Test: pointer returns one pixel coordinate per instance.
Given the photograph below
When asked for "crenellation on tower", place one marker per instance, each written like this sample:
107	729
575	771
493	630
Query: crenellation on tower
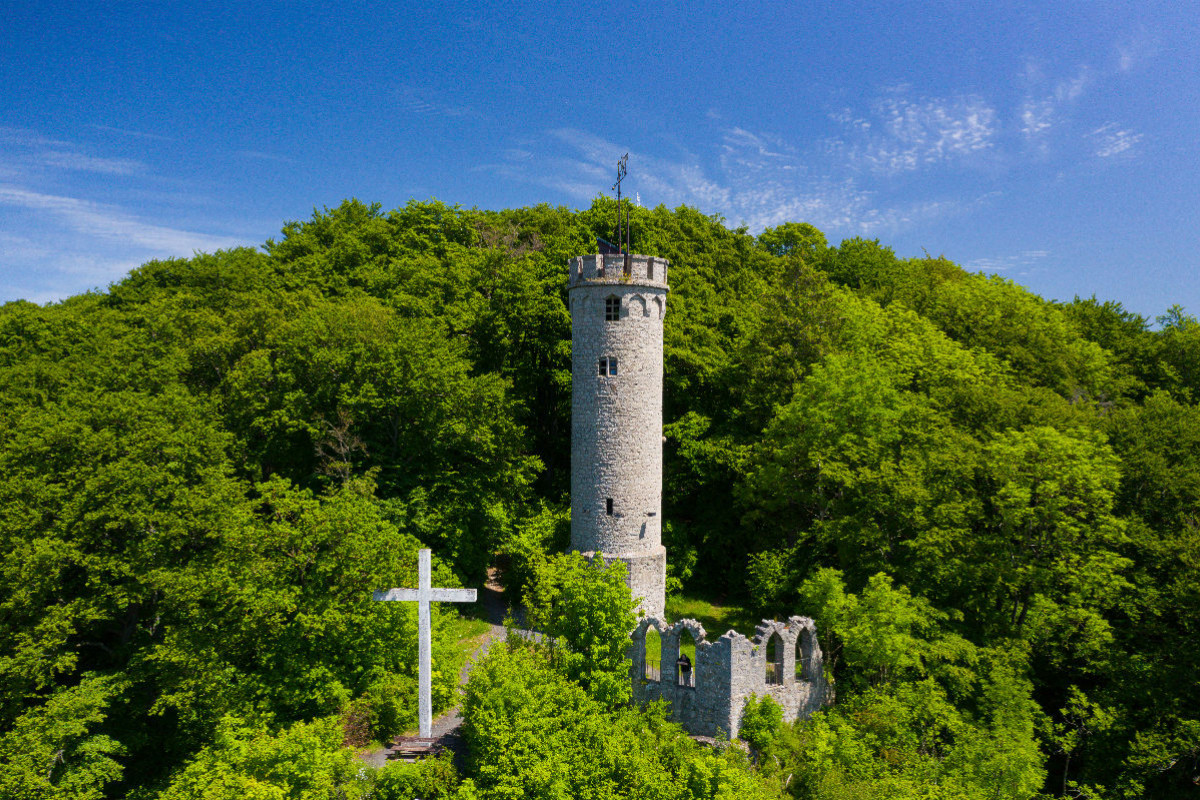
617	304
619	269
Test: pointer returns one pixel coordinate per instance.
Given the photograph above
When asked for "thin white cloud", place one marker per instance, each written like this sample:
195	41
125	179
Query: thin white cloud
259	155
1037	117
1125	59
113	224
757	180
1138	48
763	146
425	103
1045	107
14	247
1073	88
1111	141
136	134
24	152
24	138
78	162
903	135
56	241
1020	263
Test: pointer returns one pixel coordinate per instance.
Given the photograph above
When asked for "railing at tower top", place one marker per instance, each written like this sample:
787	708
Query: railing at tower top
653	670
685	678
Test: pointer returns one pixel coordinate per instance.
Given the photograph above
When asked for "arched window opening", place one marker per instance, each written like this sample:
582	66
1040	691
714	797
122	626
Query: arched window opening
612	309
774	659
653	654
685	665
804	656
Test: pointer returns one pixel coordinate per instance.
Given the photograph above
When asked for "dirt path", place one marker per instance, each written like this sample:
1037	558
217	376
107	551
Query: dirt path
493	603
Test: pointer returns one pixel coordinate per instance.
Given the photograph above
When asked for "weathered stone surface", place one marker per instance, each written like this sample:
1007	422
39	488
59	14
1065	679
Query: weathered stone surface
731	669
616	419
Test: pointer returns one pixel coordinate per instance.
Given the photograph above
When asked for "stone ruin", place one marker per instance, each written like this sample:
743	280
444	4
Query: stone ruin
782	661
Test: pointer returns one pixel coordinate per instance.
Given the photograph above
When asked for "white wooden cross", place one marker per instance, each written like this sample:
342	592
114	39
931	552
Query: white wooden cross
423	595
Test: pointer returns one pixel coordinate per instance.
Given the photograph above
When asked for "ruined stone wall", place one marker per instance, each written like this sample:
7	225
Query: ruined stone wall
726	672
616	419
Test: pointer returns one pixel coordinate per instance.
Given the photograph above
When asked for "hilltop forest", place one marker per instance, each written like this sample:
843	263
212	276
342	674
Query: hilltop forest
989	502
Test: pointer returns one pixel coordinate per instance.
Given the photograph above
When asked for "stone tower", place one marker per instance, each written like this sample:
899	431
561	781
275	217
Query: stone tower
617	307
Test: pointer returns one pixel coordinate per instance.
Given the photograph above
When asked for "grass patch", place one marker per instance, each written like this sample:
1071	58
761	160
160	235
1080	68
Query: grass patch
715	618
468	632
468	635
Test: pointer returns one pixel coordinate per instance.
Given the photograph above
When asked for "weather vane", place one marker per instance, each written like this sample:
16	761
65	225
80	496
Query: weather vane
621	170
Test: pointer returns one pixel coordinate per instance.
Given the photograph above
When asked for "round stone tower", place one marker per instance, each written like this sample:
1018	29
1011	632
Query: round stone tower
617	307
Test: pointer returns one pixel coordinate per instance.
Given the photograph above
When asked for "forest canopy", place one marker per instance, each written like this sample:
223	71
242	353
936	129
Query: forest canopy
989	501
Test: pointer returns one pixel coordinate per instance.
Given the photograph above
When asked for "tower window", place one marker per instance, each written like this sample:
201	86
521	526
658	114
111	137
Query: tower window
649	270
608	367
612	309
608	506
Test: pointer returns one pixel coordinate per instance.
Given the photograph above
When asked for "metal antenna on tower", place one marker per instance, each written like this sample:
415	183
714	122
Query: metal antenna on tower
617	188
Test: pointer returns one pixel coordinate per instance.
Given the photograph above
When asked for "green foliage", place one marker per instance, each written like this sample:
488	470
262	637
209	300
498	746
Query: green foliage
208	467
911	741
1050	537
884	633
247	760
427	778
925	710
545	531
586	612
761	720
797	239
534	734
51	750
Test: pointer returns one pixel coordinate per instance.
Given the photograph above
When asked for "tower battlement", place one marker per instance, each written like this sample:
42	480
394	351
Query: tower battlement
618	269
618	303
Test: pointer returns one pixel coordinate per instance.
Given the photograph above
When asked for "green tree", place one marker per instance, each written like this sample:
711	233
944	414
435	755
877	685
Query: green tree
587	612
532	733
52	750
247	760
1049	541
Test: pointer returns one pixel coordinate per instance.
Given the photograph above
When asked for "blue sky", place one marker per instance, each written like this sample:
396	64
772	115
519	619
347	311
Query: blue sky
1053	143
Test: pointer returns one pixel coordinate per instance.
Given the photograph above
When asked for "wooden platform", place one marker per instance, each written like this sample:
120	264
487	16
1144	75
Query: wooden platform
410	748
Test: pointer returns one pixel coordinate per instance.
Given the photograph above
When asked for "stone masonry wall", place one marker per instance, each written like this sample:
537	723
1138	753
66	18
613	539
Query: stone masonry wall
616	420
726	672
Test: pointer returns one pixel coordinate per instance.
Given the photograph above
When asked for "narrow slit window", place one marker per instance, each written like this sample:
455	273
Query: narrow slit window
607	367
603	367
649	270
608	506
612	367
612	309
